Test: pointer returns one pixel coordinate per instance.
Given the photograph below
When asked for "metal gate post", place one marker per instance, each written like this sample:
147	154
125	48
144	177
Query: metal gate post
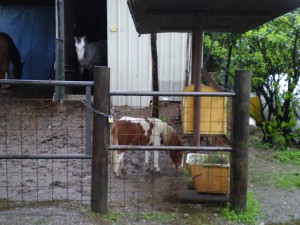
239	161
101	137
59	49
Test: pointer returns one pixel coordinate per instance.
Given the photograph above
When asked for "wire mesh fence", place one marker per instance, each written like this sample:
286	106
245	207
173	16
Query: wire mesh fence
33	125
140	190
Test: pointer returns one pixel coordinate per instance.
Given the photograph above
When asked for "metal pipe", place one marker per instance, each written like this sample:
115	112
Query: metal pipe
169	148
47	82
162	93
60	49
47	156
113	92
88	121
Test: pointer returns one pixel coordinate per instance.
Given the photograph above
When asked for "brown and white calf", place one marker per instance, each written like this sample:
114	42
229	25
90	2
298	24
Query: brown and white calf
139	131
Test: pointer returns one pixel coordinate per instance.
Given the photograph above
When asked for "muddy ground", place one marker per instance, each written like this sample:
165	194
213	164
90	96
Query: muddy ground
58	191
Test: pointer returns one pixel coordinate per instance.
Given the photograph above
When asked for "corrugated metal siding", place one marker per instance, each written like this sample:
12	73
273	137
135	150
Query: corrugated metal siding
129	56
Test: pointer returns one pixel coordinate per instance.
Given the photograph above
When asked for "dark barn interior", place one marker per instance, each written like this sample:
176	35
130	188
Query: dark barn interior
82	18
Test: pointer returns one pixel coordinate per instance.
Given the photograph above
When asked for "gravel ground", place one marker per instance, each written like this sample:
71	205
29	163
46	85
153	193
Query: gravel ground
279	206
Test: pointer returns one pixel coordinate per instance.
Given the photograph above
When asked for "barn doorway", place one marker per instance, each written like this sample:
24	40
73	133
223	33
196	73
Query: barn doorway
88	18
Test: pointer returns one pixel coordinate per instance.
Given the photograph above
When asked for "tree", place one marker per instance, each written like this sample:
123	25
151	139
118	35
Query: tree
272	53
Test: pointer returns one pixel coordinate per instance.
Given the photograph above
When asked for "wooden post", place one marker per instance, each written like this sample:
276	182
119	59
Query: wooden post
239	161
197	63
155	82
101	136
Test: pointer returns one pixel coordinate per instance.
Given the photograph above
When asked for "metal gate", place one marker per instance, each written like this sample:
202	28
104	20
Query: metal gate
45	145
29	172
104	191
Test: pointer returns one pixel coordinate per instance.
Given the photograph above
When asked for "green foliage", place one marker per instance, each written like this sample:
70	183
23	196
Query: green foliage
249	216
216	158
163	118
280	134
255	142
272	56
272	53
274	134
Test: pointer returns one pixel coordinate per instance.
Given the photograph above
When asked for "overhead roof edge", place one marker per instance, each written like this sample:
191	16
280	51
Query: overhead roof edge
157	16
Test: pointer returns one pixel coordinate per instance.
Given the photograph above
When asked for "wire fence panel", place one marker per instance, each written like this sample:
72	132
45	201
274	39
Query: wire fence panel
42	147
142	191
44	154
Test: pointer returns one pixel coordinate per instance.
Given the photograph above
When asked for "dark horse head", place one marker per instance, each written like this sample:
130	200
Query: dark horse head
9	53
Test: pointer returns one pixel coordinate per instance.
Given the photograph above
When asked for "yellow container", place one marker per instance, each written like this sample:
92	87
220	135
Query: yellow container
255	108
213	113
209	177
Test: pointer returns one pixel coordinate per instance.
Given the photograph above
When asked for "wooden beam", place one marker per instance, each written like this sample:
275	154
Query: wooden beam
190	28
101	137
193	197
212	81
209	13
239	159
197	64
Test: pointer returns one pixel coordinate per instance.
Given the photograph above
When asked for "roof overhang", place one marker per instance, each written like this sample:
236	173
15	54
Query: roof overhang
236	16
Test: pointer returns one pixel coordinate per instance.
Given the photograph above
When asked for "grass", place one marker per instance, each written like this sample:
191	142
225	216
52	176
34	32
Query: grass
41	221
284	173
167	218
289	181
283	179
113	216
249	216
291	156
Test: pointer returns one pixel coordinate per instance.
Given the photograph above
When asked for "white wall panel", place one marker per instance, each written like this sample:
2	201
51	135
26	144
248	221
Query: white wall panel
129	57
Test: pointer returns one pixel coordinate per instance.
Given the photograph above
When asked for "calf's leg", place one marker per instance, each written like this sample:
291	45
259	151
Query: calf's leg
156	156
117	159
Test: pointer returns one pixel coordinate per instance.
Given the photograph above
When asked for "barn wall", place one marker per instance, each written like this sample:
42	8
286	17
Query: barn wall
129	56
